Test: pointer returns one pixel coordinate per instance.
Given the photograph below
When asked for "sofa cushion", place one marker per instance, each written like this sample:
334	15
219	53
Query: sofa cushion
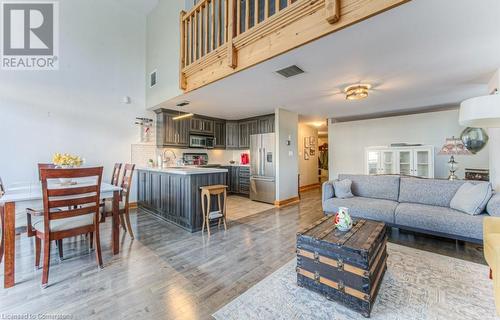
433	192
493	206
343	188
378	187
440	219
360	207
471	198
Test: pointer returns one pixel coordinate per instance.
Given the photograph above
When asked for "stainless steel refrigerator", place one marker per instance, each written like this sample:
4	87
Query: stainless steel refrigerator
262	167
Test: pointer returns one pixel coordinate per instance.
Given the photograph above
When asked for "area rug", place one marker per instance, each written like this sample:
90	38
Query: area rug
417	285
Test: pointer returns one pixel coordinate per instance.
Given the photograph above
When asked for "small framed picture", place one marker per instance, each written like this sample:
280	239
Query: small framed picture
312	141
307	142
306	154
312	152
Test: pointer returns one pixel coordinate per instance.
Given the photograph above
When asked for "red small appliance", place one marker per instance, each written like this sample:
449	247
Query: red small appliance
245	158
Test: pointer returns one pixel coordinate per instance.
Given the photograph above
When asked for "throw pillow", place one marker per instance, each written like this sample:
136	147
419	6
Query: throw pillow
343	188
471	198
493	206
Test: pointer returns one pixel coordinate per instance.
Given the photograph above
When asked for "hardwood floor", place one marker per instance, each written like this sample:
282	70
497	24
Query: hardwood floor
168	273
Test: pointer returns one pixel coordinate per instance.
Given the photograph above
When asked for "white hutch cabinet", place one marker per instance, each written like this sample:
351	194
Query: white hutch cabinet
411	161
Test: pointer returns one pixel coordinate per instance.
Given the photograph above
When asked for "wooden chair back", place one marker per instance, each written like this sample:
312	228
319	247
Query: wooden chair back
2	187
44	166
72	200
128	172
115	179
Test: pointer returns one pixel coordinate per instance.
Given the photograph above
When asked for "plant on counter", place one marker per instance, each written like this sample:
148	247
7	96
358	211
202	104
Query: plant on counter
66	160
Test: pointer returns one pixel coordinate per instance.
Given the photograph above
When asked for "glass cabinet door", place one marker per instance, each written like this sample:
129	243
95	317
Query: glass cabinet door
373	162
388	162
422	163
404	162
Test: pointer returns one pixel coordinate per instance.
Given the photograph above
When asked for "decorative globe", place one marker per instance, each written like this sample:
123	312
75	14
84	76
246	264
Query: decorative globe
474	139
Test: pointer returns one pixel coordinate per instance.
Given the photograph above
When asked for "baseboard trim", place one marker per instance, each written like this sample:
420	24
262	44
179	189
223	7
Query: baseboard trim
132	205
310	187
281	203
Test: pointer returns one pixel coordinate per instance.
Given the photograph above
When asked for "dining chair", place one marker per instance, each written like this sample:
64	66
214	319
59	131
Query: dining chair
115	179
2	221
124	205
78	212
34	215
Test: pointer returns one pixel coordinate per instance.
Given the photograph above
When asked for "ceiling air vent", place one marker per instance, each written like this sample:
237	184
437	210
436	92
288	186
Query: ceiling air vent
290	71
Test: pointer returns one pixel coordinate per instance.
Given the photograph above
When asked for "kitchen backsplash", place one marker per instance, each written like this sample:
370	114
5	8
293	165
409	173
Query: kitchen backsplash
141	153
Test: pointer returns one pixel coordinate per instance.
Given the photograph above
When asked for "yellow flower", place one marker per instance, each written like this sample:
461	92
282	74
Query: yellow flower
66	160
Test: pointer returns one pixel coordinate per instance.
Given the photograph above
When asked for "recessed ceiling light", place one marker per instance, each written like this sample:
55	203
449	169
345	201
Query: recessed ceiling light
357	91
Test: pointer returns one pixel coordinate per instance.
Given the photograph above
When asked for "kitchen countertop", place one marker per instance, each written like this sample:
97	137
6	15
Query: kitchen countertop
184	170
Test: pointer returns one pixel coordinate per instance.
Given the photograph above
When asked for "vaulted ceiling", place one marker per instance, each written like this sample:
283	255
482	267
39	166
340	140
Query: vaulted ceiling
423	53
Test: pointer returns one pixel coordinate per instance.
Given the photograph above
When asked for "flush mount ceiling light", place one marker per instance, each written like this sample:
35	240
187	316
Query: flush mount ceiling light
357	91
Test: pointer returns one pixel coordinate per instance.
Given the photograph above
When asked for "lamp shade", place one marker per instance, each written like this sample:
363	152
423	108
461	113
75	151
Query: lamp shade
481	112
454	146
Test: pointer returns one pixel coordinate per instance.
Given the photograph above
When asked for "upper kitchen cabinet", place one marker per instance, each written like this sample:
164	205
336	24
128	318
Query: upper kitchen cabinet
170	132
246	129
266	124
232	135
202	126
219	134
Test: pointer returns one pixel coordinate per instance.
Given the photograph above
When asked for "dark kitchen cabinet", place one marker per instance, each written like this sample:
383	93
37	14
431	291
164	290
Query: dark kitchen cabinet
247	128
170	132
266	124
202	126
220	134
232	135
238	180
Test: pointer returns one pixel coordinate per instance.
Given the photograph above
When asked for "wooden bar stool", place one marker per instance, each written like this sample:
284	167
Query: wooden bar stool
207	192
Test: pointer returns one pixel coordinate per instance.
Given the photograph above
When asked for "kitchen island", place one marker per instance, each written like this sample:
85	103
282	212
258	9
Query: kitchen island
173	194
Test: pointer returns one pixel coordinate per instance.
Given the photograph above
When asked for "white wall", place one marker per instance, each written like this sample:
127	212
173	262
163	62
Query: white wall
287	169
308	169
77	109
162	51
348	140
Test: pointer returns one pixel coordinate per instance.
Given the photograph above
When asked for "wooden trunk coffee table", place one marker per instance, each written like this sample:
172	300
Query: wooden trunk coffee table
347	267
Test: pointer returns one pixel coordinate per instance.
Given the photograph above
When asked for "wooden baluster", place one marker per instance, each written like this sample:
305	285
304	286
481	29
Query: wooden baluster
221	20
288	3
266	9
332	11
247	15
238	17
256	12
212	40
195	35
226	19
182	56
231	54
276	6
190	38
205	23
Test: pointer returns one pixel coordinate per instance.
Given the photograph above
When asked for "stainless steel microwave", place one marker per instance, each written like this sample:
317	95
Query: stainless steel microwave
201	142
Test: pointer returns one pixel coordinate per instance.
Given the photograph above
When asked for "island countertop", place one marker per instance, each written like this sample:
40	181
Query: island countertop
184	170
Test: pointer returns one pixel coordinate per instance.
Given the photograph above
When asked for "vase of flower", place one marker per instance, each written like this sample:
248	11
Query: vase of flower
66	161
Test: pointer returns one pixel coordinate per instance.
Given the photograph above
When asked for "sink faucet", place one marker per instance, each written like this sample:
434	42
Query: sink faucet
166	160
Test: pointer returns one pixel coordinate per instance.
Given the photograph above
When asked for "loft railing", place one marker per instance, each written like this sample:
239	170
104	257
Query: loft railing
209	24
220	37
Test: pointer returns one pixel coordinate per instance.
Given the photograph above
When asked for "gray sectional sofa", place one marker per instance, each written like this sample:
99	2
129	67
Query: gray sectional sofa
421	205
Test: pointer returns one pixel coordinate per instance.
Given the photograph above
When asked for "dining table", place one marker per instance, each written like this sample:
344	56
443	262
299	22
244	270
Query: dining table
18	198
